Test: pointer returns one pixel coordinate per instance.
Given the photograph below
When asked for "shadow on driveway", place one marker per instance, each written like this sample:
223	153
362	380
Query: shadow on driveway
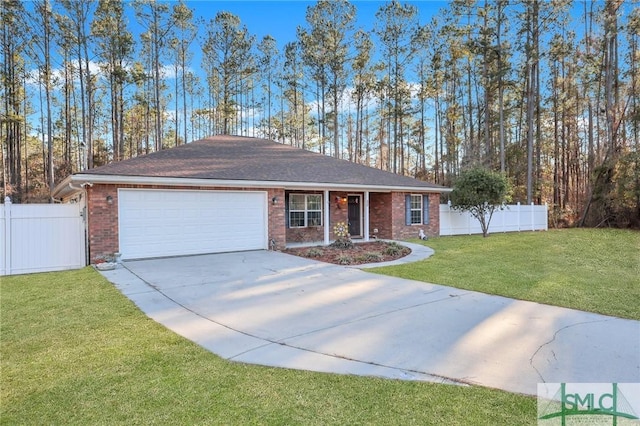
275	309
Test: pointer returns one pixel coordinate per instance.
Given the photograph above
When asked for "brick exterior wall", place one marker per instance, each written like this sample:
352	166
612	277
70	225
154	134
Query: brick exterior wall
102	222
402	231
303	235
380	215
387	215
433	230
276	220
338	211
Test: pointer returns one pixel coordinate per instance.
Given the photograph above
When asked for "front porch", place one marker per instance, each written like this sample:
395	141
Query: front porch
310	216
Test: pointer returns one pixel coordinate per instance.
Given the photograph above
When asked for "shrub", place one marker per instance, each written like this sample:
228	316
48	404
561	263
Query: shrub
344	259
393	249
372	257
314	252
343	243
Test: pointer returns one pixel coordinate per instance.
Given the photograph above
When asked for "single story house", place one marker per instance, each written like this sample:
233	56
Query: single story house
232	193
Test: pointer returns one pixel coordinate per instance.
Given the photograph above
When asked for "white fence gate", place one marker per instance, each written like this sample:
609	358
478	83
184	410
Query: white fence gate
513	218
41	237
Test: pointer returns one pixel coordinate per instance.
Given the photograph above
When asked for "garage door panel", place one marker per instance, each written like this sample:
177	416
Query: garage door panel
155	223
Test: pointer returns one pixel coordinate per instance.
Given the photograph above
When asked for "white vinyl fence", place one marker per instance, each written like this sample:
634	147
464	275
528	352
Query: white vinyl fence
41	237
513	218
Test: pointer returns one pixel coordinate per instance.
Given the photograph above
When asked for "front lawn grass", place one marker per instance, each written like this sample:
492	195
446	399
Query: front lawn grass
595	270
75	351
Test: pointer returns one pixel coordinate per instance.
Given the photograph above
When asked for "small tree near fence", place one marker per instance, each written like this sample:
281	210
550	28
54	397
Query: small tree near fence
480	192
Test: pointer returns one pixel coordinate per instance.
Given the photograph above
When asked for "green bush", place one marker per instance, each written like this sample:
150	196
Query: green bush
372	257
344	259
314	252
393	249
343	243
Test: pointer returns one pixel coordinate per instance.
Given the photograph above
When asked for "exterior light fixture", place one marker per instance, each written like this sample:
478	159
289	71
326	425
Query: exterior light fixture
109	199
274	200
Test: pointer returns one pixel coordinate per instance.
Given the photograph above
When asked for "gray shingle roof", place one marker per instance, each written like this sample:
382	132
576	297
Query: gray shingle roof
251	159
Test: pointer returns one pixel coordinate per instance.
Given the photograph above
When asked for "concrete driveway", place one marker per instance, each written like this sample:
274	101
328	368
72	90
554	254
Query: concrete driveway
275	309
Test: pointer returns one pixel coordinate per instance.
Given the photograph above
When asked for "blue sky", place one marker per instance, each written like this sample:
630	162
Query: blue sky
280	19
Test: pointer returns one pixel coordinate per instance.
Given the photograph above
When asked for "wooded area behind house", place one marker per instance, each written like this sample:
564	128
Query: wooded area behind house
509	85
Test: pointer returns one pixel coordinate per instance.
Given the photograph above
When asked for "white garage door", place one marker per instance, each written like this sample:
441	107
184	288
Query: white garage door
155	223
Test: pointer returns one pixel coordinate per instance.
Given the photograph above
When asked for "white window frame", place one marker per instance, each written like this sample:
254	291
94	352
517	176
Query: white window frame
306	210
419	209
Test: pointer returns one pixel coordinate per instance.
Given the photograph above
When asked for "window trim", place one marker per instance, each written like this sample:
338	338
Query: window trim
419	209
425	208
306	210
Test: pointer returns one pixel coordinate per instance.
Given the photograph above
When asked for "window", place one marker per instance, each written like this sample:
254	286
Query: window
416	209
305	210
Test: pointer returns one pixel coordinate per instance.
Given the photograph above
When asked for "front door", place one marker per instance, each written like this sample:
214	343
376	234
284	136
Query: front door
355	215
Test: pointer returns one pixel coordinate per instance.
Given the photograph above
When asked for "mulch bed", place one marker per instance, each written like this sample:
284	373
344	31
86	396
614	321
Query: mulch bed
361	253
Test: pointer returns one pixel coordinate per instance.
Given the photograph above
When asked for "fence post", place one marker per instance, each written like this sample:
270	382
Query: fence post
533	217
519	214
7	235
546	216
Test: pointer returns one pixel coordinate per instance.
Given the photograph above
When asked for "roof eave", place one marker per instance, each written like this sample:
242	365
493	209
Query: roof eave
69	187
75	183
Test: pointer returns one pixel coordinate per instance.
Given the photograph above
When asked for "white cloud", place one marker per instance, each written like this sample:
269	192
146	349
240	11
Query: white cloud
167	72
57	74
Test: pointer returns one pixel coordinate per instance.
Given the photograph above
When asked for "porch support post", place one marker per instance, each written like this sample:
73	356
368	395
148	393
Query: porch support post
366	215
326	217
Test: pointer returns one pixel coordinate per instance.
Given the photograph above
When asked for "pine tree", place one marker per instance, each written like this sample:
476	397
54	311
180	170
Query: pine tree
114	46
268	62
182	38
227	50
326	47
395	27
154	16
12	115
